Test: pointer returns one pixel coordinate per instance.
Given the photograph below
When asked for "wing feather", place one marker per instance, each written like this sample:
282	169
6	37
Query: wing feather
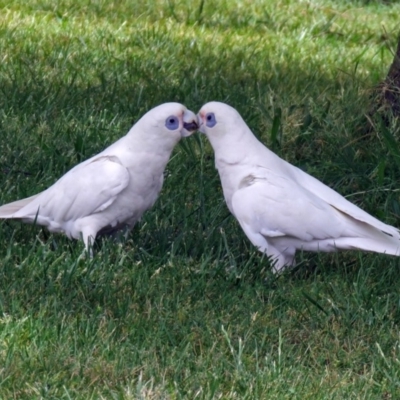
7	210
338	201
276	206
86	189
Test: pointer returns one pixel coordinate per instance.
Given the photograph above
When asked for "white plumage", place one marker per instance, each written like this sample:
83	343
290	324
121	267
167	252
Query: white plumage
111	190
280	208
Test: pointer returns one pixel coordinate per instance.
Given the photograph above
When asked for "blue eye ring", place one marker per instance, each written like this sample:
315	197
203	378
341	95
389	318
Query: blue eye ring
172	123
210	120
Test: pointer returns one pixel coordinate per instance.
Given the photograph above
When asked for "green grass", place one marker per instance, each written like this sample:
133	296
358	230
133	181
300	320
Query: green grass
186	308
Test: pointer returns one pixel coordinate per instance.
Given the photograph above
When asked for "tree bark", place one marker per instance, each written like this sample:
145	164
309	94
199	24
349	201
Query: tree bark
390	87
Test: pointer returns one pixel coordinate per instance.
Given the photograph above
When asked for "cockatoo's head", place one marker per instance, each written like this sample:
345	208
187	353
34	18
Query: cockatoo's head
216	120
166	123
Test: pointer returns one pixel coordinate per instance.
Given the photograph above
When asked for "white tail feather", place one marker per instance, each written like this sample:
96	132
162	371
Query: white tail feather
8	210
389	246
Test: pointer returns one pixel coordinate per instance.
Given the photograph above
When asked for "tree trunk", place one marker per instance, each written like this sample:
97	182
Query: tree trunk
389	96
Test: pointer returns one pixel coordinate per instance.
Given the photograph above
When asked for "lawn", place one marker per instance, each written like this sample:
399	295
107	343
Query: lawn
186	307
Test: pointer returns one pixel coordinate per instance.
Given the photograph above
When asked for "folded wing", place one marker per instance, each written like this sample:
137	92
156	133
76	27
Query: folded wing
338	201
86	189
289	215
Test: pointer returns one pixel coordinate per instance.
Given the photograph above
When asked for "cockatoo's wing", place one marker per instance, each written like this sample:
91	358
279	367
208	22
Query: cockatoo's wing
291	217
86	189
339	202
8	210
275	206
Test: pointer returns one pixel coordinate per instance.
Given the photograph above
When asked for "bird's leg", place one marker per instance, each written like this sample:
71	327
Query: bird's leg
88	237
280	261
277	259
128	230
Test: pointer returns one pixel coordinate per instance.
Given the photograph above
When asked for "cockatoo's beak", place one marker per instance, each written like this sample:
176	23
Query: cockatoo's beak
190	123
201	123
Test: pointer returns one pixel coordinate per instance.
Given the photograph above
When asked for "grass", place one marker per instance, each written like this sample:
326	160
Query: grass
186	308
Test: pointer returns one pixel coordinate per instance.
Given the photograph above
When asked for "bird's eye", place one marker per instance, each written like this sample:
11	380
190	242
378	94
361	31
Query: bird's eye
210	120
172	123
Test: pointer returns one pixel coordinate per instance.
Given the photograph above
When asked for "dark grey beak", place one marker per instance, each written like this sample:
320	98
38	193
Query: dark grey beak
191	126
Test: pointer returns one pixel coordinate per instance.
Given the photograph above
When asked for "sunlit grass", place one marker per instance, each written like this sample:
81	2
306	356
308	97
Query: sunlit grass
186	308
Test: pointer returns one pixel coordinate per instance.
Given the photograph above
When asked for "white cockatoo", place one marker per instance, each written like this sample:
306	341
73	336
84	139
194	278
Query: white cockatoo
112	190
280	208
